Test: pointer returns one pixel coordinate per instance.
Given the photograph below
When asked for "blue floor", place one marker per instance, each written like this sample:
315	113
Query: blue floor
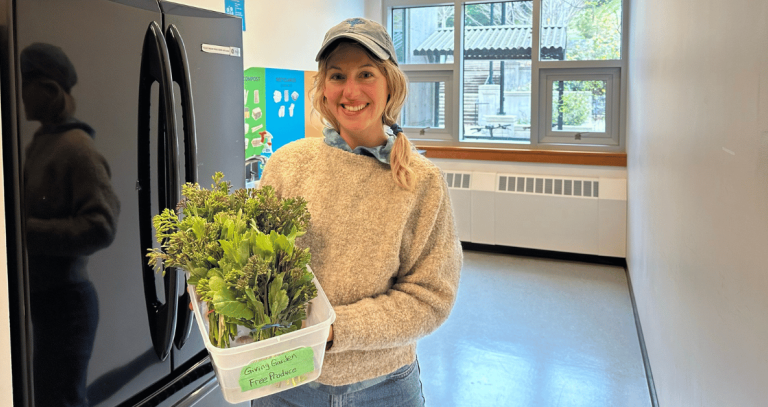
536	332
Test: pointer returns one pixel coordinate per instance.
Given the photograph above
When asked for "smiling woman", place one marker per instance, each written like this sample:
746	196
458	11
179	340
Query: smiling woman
374	51
355	93
382	237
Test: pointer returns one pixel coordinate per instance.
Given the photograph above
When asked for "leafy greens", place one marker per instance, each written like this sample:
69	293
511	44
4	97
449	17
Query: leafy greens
239	249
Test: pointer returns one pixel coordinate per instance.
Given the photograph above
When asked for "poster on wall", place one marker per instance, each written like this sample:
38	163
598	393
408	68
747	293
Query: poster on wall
255	111
274	112
235	8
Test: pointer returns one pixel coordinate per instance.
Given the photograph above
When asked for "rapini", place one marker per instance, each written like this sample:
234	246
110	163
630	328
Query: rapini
239	249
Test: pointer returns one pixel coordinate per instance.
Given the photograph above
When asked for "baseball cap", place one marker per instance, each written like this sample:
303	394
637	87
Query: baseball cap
41	60
368	33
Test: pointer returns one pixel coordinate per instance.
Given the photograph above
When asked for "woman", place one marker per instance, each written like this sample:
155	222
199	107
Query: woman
383	240
71	212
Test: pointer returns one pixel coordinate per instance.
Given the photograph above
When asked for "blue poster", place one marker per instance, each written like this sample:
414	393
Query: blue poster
235	8
284	95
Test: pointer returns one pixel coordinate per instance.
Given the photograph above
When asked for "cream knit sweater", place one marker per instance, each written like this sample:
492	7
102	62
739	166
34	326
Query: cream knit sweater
388	259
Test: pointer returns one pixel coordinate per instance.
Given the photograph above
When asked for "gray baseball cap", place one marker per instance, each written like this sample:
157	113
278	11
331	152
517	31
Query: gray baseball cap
368	33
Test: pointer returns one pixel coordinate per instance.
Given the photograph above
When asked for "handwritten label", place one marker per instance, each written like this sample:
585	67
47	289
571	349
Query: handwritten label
284	366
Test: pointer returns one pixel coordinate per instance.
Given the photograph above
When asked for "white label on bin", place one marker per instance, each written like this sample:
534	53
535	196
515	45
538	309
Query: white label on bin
282	367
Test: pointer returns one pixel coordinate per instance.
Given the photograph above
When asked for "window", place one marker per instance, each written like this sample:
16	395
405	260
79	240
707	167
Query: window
413	30
430	112
424	112
530	73
574	106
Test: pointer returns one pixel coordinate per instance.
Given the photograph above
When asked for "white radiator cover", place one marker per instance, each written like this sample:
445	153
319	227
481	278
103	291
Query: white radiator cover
585	215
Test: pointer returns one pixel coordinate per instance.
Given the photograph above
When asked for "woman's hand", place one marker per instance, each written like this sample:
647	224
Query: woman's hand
329	341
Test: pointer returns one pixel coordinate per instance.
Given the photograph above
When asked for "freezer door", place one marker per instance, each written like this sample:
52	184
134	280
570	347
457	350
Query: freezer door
91	337
194	386
216	82
208	394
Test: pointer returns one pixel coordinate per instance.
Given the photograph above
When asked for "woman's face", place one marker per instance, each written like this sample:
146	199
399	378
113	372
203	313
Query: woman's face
38	97
356	94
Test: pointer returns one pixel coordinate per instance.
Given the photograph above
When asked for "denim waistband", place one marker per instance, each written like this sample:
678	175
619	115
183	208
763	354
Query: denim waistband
351	388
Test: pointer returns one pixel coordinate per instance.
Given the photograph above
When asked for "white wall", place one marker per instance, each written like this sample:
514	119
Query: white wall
698	197
287	34
373	10
6	385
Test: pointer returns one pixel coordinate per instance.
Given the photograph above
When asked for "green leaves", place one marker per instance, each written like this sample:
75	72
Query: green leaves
278	298
239	249
261	245
225	303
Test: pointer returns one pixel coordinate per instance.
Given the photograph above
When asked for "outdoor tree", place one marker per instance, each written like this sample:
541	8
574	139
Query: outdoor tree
595	32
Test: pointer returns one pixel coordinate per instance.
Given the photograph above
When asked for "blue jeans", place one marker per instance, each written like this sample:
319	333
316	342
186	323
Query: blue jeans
401	388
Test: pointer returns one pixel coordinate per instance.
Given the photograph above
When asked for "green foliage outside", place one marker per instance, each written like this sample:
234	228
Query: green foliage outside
578	97
239	249
575	108
594	33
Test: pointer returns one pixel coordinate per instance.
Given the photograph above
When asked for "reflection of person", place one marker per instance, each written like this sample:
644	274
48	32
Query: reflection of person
71	212
383	240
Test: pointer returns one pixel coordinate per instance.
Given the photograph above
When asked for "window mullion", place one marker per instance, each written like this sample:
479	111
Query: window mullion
458	70
536	119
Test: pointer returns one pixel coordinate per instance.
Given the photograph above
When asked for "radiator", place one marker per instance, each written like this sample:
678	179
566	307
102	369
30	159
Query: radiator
567	214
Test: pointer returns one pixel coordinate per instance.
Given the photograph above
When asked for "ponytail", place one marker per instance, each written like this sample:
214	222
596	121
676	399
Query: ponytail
400	161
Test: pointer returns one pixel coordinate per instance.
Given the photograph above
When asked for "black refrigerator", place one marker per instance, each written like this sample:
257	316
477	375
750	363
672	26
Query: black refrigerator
108	107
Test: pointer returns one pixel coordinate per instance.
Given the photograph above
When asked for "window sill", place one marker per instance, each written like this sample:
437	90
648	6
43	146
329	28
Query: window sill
527	156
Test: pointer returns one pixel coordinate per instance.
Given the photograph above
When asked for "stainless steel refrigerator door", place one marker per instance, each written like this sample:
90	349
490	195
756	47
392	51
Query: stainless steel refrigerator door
110	331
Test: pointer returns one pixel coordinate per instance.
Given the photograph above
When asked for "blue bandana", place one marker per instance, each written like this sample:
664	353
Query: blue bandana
381	153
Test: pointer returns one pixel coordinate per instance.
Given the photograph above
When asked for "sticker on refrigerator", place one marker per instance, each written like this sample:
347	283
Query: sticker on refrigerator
223	50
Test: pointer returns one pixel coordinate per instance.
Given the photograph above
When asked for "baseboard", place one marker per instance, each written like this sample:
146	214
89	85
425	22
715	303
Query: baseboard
547	254
643	349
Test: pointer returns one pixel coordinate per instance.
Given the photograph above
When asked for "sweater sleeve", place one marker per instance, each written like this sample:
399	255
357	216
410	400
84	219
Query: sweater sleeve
422	295
273	173
91	225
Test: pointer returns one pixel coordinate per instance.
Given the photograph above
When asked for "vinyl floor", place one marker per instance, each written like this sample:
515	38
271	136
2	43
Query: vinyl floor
533	332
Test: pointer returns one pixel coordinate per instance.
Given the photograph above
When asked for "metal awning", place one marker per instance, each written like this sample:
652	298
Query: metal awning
496	42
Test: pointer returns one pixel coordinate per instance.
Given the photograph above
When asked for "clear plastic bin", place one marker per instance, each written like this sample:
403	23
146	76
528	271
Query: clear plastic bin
274	364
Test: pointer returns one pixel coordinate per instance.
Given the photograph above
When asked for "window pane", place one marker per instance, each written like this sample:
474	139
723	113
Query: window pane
497	71
425	105
580	30
423	35
578	106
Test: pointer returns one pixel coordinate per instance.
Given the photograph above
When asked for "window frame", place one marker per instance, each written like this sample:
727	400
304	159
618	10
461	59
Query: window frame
610	136
433	134
539	68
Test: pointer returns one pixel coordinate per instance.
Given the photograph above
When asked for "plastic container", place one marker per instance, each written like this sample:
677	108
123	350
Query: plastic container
258	369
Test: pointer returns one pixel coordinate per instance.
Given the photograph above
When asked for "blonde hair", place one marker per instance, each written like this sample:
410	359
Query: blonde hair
397	85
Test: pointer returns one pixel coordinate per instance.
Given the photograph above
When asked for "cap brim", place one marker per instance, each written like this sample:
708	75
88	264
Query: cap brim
371	45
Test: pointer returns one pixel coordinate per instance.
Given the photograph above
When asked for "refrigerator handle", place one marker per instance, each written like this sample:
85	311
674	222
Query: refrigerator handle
180	69
155	67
